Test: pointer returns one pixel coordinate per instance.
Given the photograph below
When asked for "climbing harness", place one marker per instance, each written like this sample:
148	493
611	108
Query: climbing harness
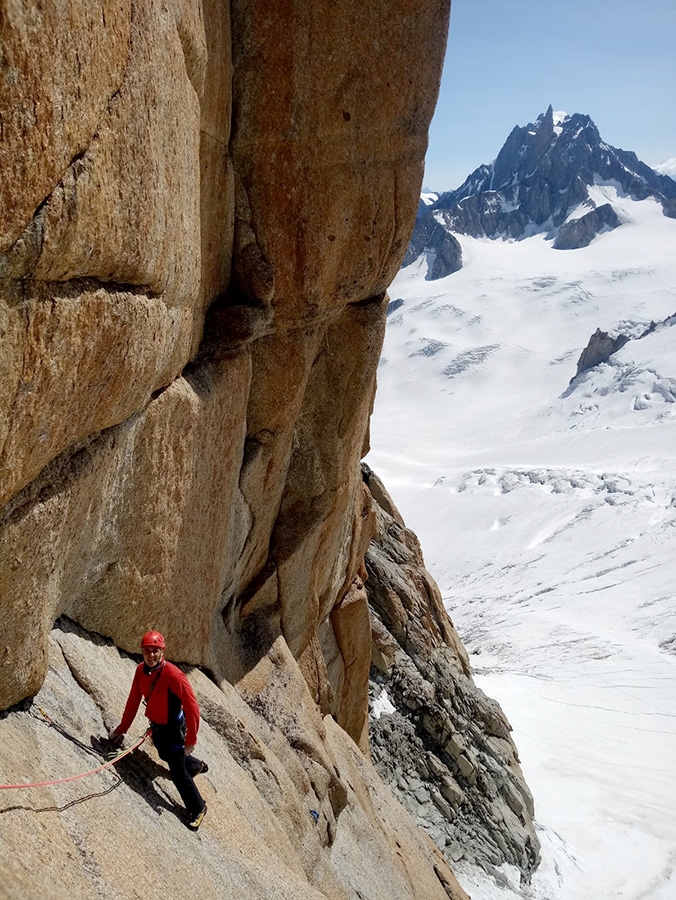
106	765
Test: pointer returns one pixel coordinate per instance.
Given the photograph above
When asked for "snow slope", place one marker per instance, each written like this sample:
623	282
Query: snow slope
547	513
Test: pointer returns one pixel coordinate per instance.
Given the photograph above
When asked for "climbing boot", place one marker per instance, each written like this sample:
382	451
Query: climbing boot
194	823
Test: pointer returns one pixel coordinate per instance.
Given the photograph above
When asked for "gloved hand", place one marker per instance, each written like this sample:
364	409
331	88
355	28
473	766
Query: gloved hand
116	740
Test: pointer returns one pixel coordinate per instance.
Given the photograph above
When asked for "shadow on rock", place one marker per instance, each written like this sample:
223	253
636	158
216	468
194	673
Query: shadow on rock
138	771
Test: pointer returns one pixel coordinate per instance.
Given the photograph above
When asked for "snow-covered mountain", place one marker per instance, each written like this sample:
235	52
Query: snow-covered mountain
546	506
555	176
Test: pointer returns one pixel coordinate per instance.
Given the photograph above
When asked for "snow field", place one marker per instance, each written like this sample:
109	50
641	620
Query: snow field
547	514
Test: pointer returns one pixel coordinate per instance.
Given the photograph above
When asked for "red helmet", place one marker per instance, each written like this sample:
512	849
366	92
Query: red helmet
153	639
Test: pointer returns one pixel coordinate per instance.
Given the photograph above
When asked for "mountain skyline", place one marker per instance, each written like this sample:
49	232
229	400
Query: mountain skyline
507	61
555	175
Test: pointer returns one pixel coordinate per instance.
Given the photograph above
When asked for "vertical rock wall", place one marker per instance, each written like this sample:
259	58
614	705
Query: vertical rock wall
202	207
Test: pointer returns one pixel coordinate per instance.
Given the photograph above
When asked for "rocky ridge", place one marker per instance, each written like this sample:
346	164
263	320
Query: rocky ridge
437	740
602	344
581	232
542	181
600	348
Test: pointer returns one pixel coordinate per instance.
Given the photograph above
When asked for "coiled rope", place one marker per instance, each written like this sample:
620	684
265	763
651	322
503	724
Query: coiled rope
106	765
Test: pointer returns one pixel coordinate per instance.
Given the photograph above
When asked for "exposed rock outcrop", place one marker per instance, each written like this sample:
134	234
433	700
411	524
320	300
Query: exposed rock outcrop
600	348
444	747
445	255
602	345
442	249
581	232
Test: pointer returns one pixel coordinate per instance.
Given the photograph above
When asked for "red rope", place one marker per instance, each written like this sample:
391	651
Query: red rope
8	787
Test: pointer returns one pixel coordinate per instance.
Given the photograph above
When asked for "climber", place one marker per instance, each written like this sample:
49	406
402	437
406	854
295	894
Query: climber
174	720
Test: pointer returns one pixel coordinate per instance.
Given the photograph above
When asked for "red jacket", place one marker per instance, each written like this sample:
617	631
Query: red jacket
171	693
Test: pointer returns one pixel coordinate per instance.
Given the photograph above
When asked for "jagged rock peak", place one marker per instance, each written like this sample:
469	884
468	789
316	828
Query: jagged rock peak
523	149
549	173
600	348
602	344
559	147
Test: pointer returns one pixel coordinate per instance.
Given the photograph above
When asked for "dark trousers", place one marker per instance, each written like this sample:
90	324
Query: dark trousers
171	748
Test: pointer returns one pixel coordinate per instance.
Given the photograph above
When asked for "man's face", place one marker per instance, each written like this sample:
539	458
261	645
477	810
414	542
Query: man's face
152	656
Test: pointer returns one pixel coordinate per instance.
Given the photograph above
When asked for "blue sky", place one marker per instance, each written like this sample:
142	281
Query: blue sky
507	60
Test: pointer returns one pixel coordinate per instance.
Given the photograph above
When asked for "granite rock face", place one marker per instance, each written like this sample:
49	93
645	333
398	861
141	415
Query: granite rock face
442	745
295	810
203	205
